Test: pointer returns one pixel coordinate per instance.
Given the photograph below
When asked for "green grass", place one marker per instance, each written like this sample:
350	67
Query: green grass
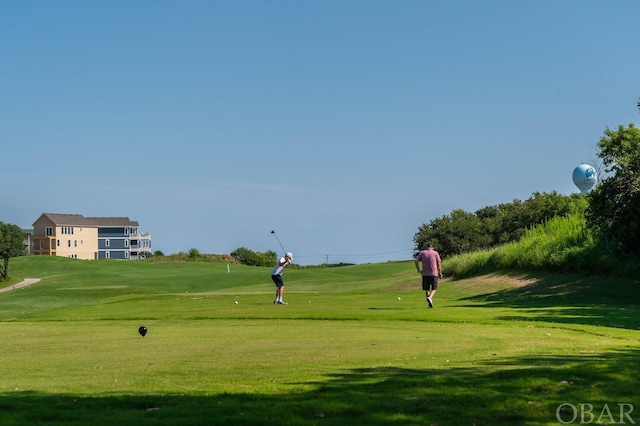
560	245
499	349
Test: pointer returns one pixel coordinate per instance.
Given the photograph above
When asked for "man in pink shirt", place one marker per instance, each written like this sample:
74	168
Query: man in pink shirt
431	271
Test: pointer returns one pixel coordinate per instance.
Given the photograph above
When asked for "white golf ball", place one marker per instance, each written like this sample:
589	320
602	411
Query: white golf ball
399	298
236	302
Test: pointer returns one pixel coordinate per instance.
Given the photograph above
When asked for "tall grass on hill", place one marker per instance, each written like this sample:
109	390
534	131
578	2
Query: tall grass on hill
547	246
562	244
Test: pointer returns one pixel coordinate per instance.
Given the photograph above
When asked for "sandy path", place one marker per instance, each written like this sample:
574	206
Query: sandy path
26	283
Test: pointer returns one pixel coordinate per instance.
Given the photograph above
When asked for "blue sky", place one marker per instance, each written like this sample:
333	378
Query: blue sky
343	125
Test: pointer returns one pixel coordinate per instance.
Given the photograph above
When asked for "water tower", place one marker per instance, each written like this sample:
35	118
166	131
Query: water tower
585	177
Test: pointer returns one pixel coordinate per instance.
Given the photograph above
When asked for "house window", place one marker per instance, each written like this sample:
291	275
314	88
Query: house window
75	243
58	243
107	243
126	243
107	255
48	231
68	243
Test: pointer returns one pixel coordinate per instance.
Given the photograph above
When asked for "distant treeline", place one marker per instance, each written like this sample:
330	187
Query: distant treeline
462	232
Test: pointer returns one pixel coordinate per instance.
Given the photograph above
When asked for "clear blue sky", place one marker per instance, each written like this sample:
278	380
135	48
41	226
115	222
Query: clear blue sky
344	125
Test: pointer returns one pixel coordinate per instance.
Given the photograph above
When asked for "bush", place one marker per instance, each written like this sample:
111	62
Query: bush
562	244
252	258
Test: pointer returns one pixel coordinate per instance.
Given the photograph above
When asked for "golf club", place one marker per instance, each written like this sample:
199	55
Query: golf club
281	246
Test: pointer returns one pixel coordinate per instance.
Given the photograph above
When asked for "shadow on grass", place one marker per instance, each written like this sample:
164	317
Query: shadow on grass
502	391
601	301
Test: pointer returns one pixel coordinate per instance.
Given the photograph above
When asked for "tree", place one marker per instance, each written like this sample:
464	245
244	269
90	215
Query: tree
457	233
461	231
194	254
11	245
614	205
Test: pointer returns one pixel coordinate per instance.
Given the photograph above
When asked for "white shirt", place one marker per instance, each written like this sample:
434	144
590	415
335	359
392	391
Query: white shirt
279	268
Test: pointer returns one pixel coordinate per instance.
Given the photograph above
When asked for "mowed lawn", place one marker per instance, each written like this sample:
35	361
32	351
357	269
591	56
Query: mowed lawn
355	345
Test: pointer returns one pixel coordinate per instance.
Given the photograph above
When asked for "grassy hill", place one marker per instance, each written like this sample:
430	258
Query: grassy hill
356	345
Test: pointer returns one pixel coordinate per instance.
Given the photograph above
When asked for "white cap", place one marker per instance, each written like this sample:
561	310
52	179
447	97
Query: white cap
289	255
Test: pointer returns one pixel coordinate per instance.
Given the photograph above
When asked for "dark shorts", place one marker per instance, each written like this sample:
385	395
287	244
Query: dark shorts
429	283
277	279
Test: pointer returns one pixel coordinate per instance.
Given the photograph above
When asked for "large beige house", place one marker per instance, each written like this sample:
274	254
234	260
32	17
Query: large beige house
76	236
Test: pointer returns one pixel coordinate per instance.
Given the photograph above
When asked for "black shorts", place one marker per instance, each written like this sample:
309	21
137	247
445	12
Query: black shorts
429	282
277	279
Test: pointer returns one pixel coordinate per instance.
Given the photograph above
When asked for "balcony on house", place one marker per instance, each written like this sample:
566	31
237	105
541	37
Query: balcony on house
140	245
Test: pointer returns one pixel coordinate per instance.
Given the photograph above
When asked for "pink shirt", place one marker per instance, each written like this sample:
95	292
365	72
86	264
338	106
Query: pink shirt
430	259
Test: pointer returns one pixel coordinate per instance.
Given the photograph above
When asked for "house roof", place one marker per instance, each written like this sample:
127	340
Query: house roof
113	221
66	219
80	220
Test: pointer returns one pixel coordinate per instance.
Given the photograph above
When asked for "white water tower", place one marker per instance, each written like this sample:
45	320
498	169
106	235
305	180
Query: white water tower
585	177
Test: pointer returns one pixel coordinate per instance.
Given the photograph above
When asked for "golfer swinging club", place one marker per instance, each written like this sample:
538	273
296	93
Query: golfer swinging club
276	276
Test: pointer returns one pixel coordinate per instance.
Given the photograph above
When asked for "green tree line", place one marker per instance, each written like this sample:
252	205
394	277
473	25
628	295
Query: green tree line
462	231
